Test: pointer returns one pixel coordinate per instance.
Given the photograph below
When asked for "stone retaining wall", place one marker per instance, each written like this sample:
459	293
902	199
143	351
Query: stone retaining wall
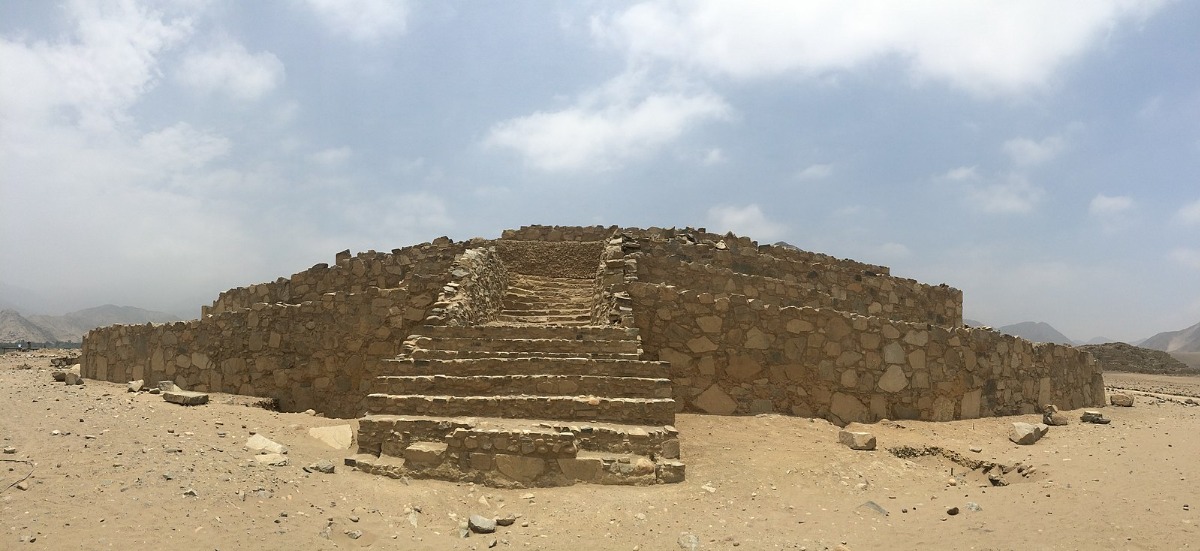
475	292
348	275
559	233
737	355
721	270
573	259
321	354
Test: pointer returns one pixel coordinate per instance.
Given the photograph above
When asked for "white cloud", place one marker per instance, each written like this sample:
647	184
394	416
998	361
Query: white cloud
987	47
607	128
748	221
1103	205
363	20
1027	152
962	173
1189	214
714	156
815	172
93	75
1014	195
182	147
1187	257
333	157
229	69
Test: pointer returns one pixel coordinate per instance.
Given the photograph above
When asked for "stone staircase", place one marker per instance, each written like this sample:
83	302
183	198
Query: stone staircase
548	300
537	398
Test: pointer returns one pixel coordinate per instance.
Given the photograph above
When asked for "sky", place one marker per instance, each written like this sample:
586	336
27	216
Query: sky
1044	157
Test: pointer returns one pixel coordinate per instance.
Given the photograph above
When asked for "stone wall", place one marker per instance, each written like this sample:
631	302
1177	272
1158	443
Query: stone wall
573	259
321	354
611	304
475	292
349	275
559	233
718	268
736	355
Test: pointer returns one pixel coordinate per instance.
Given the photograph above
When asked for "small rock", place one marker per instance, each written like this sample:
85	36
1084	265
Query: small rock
1025	433
1122	400
972	506
190	492
135	386
952	511
864	441
9	450
272	460
506	520
167	386
873	507
22	485
354	534
1052	417
185	397
260	443
481	525
322	466
73	378
688	541
976	449
1093	416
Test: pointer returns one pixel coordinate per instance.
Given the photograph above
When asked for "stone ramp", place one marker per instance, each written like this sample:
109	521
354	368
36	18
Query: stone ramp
535	398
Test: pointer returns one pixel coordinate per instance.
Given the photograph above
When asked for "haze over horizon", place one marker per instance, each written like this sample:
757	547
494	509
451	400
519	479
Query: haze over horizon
1044	157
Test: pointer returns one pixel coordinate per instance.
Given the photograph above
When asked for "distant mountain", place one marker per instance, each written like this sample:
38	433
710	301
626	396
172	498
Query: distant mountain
73	326
1184	340
1036	331
15	328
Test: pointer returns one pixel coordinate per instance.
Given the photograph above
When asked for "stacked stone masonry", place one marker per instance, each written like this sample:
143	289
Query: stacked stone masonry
719	324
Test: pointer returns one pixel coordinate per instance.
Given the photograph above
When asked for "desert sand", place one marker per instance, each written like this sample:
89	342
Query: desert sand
130	471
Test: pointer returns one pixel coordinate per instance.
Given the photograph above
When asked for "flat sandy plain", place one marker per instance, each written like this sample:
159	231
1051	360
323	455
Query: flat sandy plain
116	475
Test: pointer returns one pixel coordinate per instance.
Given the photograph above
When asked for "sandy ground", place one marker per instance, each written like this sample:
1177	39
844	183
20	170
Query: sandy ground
116	475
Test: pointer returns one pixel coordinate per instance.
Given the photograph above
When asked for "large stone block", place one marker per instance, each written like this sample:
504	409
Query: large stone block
715	401
520	468
893	380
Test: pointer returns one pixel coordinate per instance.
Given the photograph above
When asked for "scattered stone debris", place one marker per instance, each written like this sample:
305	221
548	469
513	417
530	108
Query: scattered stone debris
1051	416
71	376
857	440
1093	416
1122	400
135	386
1027	433
185	397
167	386
688	541
354	534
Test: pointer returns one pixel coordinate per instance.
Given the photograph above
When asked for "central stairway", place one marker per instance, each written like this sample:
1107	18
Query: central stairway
536	398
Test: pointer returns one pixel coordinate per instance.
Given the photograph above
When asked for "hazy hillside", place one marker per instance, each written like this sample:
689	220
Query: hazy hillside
1036	331
73	326
15	328
1184	340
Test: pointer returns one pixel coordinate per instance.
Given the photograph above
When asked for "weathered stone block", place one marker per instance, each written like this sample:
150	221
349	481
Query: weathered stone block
425	454
185	397
715	401
856	440
520	468
585	469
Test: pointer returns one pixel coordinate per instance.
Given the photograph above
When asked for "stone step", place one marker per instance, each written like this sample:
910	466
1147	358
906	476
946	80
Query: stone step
518	471
648	411
423	354
391	434
582	319
518	302
522	345
542	282
585	333
528	366
546	311
543	385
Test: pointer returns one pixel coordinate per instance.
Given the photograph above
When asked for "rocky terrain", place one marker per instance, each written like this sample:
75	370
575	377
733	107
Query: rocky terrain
94	466
1118	356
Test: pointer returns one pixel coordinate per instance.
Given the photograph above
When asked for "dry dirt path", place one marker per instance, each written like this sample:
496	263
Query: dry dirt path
116	474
